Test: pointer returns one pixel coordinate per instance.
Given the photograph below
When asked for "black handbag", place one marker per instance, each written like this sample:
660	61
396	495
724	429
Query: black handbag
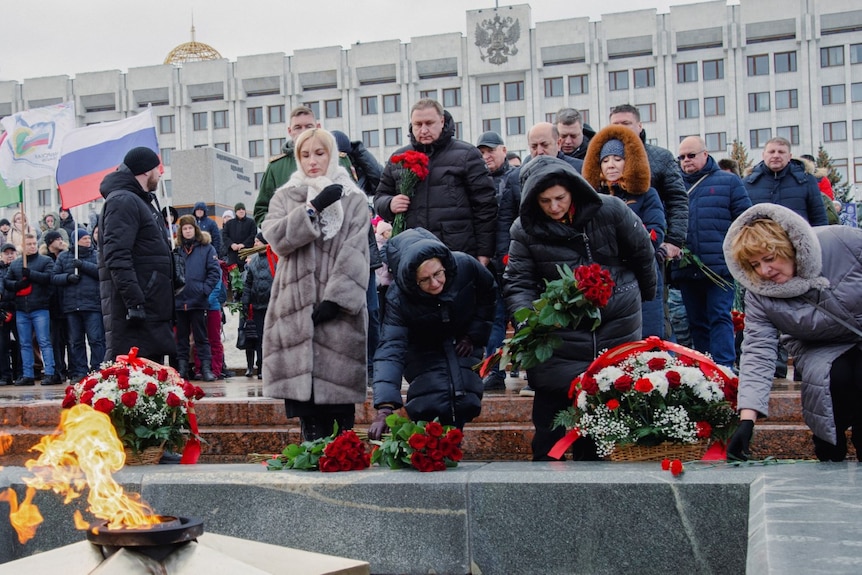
179	270
246	337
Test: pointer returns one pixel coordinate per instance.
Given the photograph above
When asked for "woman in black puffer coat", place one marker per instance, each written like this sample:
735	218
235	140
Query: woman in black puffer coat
438	318
593	228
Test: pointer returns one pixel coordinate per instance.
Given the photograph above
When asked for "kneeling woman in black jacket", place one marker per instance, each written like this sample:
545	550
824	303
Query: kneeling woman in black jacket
438	317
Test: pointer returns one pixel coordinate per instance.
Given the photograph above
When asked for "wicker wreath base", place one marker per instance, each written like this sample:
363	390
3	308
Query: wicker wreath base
149	456
682	451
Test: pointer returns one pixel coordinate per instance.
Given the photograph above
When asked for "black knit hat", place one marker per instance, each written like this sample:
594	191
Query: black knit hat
52	236
141	160
239	206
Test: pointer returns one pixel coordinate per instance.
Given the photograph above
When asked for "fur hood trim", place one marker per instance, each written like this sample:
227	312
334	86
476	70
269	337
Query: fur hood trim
636	174
809	258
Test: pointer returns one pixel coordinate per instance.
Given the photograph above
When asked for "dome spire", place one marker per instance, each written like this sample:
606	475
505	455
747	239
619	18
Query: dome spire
193	51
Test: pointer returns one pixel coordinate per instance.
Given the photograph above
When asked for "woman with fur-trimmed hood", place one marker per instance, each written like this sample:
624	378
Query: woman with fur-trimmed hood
314	348
804	283
616	164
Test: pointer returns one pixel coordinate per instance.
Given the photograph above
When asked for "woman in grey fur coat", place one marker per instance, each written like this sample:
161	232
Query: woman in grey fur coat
806	284
314	351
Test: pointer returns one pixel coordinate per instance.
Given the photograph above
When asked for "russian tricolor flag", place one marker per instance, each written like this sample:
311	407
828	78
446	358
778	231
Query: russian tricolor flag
89	154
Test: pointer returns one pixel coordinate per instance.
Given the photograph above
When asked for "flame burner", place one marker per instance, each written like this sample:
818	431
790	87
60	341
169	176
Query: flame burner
156	541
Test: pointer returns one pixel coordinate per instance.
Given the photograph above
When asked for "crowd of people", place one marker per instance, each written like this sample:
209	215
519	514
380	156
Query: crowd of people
337	304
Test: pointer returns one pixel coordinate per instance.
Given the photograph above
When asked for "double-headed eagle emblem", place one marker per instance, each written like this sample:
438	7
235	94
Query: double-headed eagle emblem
496	38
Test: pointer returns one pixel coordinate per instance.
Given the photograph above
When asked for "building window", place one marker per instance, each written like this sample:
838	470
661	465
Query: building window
275	146
369	105
223	146
514	91
758	102
371	138
713	70
789	133
255	116
585	116
490	93
832	56
258	178
458	127
333	108
451	97
276	114
840	166
686	72
857	169
199	121
689	109
579	84
514	125
391	103
492	125
314	106
221	119
647	112
716	141
165	153
618	80
255	148
713	106
759	137
644	77
857	131
44	198
833	94
834	131
758	65
551	117
392	136
166	125
786	99
856	92
428	94
856	53
785	62
553	87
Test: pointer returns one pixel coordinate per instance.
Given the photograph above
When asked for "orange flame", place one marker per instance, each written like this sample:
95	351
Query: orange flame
24	518
85	451
5	443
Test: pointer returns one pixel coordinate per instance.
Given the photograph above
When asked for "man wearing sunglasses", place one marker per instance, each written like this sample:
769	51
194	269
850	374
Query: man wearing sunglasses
715	199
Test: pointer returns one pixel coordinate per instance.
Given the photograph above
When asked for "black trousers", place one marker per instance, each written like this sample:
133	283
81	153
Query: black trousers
846	388
546	405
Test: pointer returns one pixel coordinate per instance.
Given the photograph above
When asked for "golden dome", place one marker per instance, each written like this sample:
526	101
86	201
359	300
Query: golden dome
192	52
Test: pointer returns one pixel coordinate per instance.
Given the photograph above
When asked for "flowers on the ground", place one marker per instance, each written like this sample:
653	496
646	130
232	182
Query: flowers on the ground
649	392
336	452
148	403
426	446
414	169
675	466
576	296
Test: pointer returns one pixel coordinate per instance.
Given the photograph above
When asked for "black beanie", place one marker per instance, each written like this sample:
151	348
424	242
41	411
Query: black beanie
141	160
51	237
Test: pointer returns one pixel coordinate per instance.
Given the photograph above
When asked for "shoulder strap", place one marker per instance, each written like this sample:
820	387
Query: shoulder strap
837	318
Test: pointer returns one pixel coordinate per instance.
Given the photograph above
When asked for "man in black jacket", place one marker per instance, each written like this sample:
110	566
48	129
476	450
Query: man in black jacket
574	135
135	262
10	355
238	233
456	202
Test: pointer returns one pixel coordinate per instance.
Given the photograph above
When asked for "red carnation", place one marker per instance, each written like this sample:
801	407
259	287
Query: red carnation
643	385
129	399
104	405
434	429
665	464
151	389
173	400
69	401
656	363
623	383
676	467
612	404
704	429
87	397
674	380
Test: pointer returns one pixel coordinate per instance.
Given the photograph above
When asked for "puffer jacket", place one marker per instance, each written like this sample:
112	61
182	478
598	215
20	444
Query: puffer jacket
666	178
258	284
604	231
38	297
713	205
209	226
84	295
203	272
456	202
792	187
828	271
419	332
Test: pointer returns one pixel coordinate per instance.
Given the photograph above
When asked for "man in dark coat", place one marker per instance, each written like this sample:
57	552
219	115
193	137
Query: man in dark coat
574	134
10	355
238	233
456	202
438	317
135	262
778	179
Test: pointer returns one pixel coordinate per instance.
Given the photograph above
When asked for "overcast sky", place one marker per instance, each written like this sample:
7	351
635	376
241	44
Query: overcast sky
52	37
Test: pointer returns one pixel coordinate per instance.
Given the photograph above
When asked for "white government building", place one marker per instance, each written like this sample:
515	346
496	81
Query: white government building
752	70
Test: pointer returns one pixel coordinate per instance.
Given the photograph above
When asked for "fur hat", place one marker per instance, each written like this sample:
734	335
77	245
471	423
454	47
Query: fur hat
52	236
141	160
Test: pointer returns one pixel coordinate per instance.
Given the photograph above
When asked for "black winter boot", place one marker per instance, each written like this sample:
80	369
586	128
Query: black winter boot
207	372
183	368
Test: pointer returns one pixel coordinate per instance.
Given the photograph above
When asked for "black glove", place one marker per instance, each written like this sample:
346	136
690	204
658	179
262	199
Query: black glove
378	427
737	447
329	195
464	346
326	310
73	278
136	315
77	264
22	284
25	272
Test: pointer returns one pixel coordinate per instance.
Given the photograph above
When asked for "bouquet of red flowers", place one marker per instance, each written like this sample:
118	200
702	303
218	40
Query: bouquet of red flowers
414	169
337	452
427	446
577	295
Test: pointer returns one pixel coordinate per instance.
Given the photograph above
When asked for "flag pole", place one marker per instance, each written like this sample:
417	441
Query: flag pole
25	223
